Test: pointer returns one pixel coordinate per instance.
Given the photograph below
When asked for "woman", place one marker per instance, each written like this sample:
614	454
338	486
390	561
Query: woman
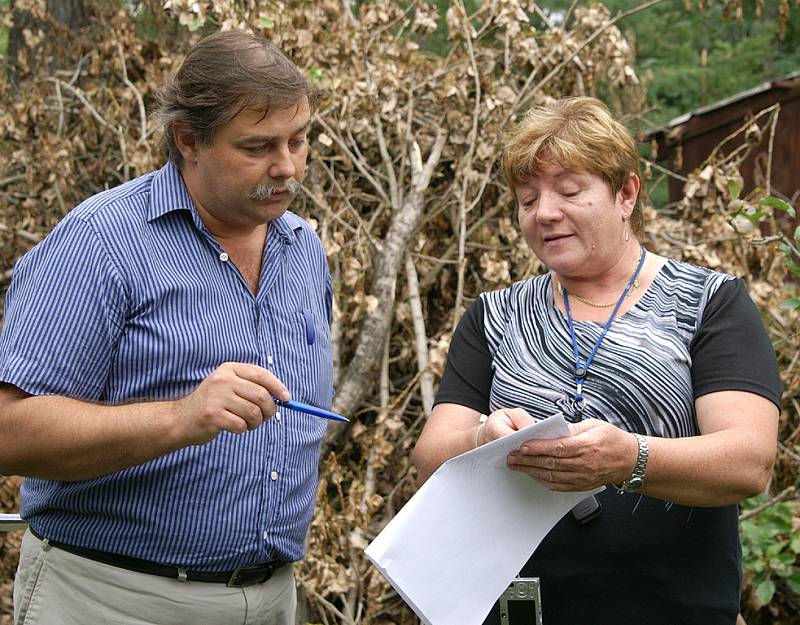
664	369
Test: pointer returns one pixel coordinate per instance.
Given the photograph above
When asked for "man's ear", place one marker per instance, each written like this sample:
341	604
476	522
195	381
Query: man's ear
188	143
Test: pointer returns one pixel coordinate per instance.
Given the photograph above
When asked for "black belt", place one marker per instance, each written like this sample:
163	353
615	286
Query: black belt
243	576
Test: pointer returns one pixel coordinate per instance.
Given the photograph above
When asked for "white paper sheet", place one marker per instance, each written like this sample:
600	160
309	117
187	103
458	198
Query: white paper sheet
459	541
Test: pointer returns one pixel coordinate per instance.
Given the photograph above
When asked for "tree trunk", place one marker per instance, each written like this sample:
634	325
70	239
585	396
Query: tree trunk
70	13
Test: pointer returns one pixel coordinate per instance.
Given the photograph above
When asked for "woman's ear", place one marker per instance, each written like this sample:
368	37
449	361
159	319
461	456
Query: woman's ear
628	194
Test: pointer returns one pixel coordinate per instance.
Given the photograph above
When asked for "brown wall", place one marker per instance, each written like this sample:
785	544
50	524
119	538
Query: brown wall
703	132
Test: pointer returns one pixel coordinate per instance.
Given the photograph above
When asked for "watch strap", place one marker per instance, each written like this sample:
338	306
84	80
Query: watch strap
635	482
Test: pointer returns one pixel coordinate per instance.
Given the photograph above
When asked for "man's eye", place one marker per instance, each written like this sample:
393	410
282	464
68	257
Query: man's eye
297	143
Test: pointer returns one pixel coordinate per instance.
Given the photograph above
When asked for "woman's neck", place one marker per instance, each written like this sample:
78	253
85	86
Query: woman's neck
608	283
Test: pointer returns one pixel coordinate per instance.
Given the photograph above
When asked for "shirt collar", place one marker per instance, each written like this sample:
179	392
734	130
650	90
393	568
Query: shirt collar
169	193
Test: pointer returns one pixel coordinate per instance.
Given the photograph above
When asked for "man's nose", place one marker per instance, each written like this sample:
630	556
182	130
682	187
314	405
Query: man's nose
282	165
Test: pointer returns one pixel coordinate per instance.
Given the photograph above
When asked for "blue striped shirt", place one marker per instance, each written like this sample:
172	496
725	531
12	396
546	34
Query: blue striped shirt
130	298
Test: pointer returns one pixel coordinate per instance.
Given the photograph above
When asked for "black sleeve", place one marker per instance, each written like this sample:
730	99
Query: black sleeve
731	350
467	379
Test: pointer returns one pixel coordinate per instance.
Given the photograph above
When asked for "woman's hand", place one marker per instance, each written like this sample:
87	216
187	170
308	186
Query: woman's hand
597	453
502	423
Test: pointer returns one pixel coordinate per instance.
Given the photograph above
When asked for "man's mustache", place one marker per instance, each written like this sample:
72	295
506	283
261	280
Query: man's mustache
266	191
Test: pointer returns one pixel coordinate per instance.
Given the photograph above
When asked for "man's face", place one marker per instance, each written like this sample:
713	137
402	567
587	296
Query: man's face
252	169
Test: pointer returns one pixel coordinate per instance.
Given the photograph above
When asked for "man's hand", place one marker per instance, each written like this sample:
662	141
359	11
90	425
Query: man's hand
235	397
597	453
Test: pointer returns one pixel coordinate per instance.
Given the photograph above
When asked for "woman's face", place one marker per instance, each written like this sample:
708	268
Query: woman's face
573	222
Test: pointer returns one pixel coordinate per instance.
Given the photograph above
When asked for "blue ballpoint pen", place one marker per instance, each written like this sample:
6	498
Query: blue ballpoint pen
312	410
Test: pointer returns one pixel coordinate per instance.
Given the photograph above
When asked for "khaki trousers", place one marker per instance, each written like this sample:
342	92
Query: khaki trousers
54	587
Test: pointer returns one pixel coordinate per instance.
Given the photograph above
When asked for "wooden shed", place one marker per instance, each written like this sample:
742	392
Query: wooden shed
686	141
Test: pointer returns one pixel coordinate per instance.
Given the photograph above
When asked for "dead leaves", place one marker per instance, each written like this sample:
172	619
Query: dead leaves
384	101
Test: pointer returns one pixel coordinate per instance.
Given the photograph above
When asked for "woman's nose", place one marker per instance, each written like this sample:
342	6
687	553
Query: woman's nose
548	207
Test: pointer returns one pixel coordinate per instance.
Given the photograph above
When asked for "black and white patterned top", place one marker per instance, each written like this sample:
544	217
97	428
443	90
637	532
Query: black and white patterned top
693	332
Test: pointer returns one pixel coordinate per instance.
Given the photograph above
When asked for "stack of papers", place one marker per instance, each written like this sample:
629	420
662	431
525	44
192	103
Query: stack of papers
463	537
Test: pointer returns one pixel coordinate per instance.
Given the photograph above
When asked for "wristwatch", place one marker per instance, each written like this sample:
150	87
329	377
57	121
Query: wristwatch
635	482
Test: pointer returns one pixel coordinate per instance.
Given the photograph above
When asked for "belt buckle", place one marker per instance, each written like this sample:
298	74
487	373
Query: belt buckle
251	575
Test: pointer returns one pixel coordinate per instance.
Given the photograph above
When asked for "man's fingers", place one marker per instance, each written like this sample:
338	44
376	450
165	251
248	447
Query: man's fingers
262	377
233	423
246	411
257	395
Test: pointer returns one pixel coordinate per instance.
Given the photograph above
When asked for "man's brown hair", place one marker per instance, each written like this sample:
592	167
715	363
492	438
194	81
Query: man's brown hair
221	76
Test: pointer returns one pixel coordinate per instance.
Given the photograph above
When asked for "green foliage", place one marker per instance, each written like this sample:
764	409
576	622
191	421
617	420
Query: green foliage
706	56
778	204
438	42
749	211
315	74
4	8
771	548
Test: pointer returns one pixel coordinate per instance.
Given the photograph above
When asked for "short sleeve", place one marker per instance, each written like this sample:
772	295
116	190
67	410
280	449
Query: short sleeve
63	315
467	378
731	349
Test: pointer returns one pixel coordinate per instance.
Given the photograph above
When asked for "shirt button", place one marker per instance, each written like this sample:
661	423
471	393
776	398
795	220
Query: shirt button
223	257
269	360
266	535
273	476
277	416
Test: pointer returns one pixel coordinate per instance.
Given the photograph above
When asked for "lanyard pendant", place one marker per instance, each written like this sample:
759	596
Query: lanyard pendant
580	402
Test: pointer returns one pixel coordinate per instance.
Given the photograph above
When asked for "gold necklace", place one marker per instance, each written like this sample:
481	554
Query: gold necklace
609	305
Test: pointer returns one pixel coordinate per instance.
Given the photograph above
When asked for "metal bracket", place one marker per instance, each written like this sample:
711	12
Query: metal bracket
11	522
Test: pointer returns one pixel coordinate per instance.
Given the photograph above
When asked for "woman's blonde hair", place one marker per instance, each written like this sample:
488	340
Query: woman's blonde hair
579	134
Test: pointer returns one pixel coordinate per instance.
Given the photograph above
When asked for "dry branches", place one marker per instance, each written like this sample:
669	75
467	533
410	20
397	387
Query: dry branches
402	189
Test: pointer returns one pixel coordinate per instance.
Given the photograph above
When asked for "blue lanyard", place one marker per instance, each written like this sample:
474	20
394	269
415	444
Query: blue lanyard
581	369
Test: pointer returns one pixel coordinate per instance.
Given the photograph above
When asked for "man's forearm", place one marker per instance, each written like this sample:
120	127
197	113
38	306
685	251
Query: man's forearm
64	439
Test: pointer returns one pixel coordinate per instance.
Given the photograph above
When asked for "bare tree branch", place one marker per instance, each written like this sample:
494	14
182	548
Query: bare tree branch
420	337
136	94
100	120
387	161
569	59
358	375
784	494
356	160
466	171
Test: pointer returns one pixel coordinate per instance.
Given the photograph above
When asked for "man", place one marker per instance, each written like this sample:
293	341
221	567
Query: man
145	341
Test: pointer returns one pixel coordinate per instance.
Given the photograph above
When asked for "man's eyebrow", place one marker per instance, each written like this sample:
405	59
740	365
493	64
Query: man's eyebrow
270	138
